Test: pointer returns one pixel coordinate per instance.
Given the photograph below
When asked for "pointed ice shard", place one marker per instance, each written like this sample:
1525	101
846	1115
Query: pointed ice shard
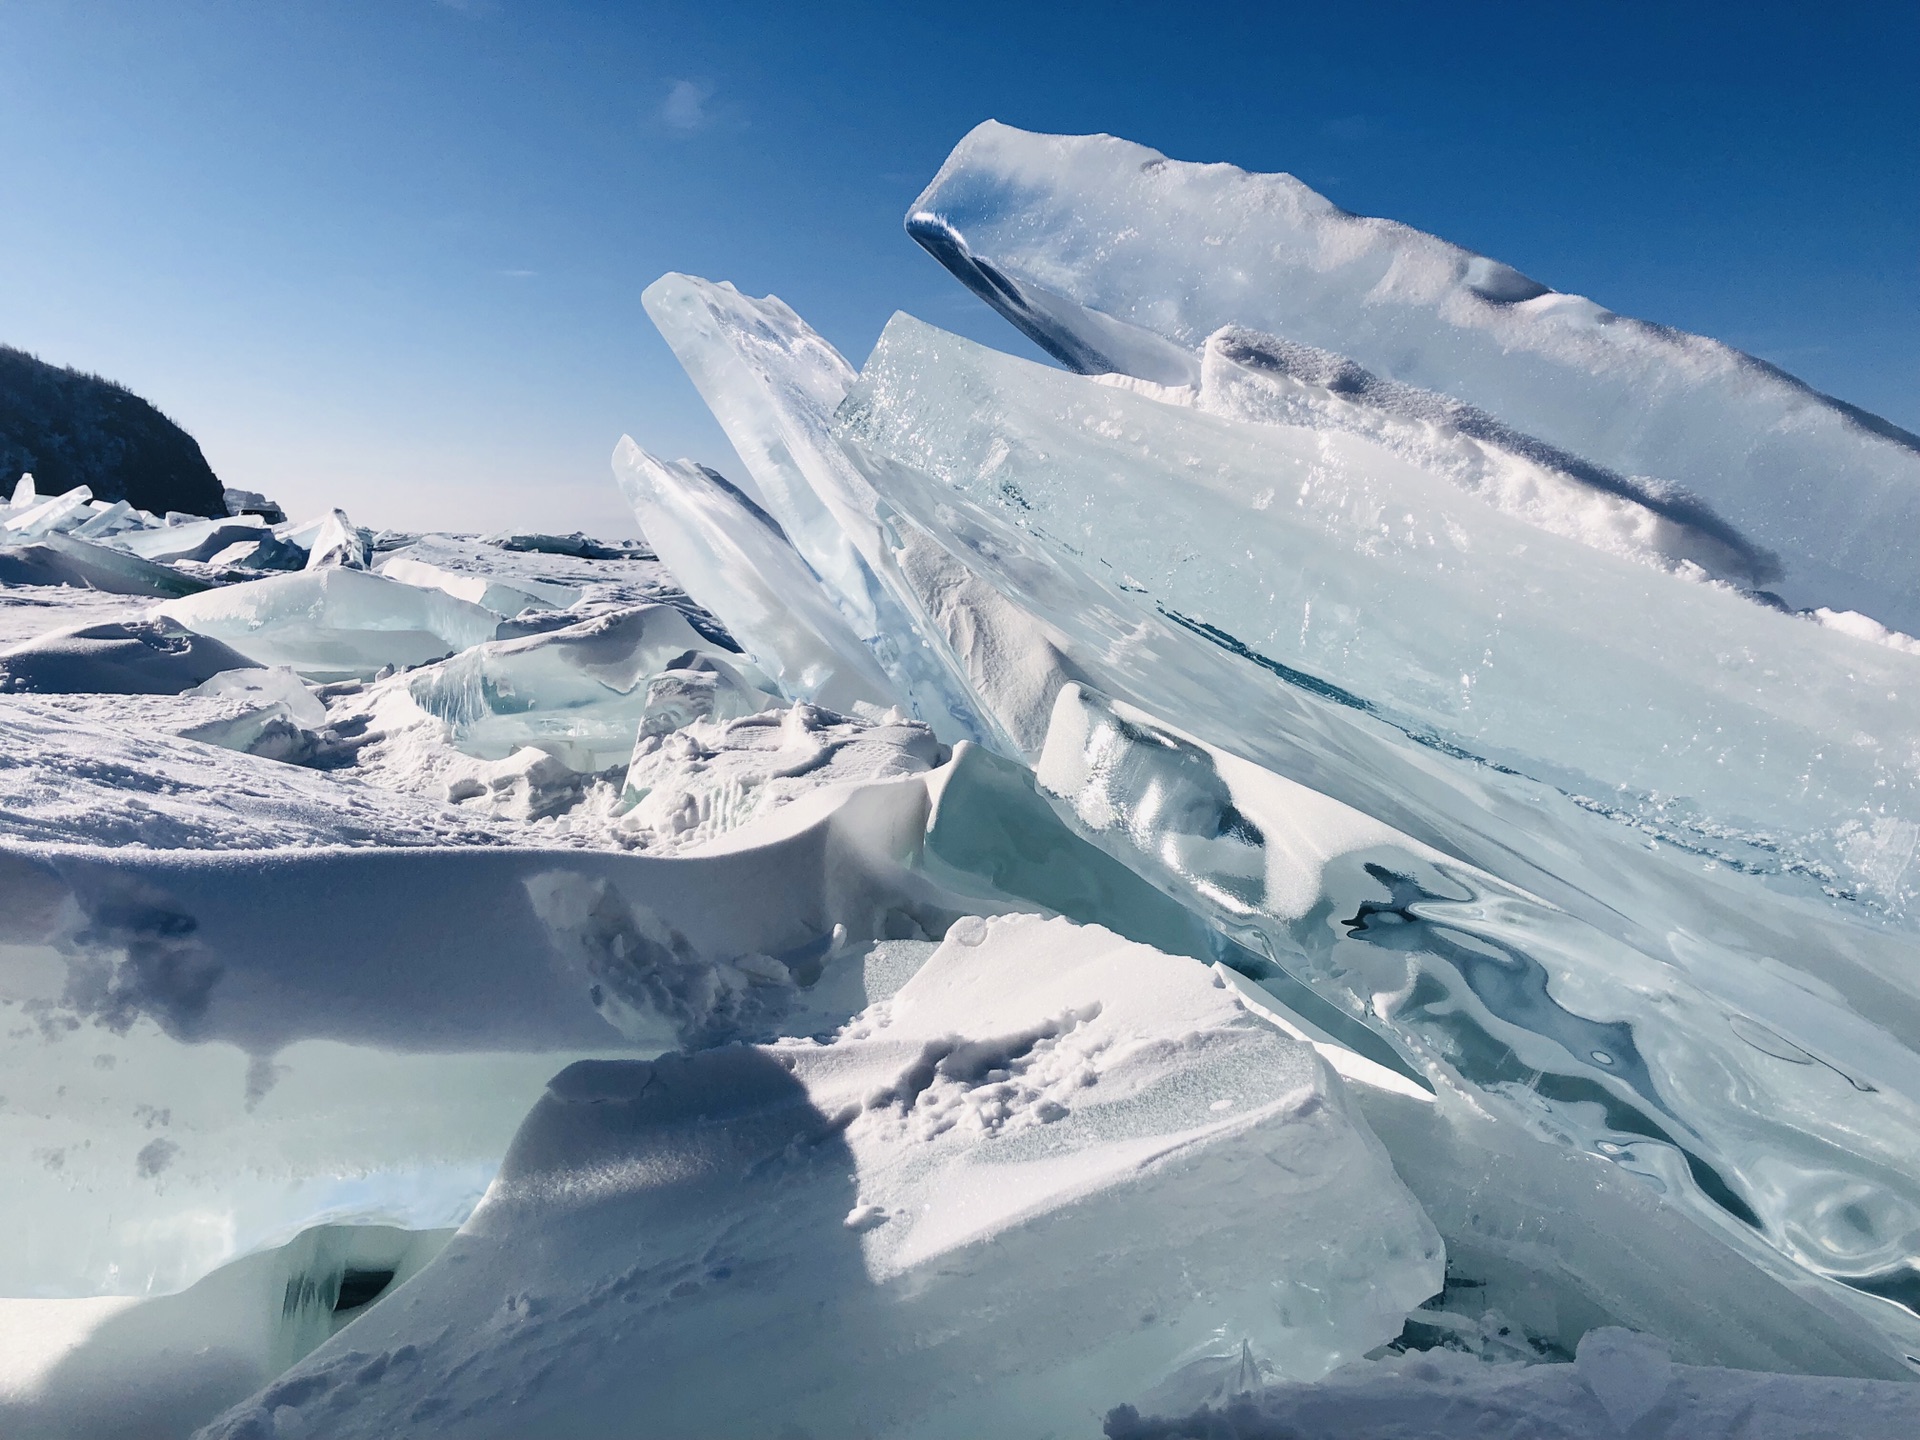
1113	257
773	384
1333	557
24	493
338	543
734	559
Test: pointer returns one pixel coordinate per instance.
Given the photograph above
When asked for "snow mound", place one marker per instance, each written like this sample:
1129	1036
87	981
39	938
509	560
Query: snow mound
859	1214
151	656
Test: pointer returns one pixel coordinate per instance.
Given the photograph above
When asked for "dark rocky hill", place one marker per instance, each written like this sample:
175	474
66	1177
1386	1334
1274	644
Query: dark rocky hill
69	428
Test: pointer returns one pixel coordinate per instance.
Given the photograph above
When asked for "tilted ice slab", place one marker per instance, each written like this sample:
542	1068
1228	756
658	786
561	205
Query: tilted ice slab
1113	257
336	623
504	598
192	1076
63	560
1588	1041
1324	553
952	1220
195	540
735	560
1245	375
583	693
773	383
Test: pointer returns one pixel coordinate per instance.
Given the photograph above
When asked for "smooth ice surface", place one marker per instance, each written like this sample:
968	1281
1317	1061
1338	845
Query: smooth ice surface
150	656
1114	257
1575	1036
928	1226
736	561
773	383
1647	692
583	693
336	623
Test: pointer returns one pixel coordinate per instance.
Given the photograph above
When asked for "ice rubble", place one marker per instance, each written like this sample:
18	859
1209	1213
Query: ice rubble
858	1214
1054	231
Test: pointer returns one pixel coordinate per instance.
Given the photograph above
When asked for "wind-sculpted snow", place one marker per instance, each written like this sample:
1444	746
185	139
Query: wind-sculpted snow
1113	257
1656	696
897	1226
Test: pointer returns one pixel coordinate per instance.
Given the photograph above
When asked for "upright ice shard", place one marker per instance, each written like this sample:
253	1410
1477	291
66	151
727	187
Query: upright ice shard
734	559
1113	257
1332	556
773	384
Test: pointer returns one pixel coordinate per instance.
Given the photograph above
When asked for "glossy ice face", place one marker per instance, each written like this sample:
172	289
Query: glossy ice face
1114	257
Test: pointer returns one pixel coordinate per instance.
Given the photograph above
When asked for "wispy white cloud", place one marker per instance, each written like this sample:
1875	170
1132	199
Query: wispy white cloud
685	107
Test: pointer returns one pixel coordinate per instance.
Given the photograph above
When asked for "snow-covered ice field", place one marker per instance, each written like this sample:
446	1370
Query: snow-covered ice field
1341	863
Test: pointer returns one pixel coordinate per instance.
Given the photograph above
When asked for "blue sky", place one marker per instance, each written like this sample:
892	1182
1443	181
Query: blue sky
389	253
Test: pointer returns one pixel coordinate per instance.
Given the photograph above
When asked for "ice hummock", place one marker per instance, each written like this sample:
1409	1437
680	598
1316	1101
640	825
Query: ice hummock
926	1227
1114	257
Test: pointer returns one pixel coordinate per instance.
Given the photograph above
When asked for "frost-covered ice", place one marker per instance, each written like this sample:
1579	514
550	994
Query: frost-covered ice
895	1224
1114	257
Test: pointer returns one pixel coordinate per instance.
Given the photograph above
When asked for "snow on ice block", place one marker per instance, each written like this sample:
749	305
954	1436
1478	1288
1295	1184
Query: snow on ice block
1055	1168
150	656
1327	556
336	623
63	560
504	598
581	693
1113	257
736	561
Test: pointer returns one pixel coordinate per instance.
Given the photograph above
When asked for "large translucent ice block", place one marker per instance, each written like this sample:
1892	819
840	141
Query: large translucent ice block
1056	1169
63	560
734	559
1581	1039
195	540
773	384
336	623
1114	257
580	693
1677	703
